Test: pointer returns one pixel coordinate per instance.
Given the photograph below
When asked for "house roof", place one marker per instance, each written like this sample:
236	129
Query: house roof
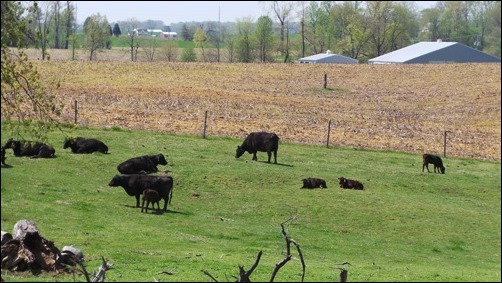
328	58
435	52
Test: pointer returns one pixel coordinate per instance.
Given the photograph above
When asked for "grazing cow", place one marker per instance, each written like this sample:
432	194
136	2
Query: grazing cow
85	145
142	164
150	196
434	159
350	184
312	183
30	148
259	141
135	184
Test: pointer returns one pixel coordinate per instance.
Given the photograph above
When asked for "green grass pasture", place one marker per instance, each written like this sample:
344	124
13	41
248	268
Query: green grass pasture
405	226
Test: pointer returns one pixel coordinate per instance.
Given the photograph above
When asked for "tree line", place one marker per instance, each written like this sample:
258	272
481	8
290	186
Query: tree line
358	29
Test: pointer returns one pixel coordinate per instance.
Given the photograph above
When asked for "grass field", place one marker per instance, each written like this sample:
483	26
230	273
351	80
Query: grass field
405	226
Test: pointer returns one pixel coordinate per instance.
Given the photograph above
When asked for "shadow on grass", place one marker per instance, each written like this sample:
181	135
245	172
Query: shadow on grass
279	164
157	211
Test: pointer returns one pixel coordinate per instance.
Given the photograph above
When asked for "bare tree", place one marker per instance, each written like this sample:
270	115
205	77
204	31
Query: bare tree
282	10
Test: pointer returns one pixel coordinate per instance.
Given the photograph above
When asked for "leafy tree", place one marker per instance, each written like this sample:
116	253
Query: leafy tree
243	43
116	30
186	33
493	31
200	39
97	33
264	37
28	109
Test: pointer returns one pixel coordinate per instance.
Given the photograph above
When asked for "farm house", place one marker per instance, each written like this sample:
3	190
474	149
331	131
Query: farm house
328	57
437	52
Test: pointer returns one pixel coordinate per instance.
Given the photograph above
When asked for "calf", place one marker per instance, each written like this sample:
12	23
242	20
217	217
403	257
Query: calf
85	145
30	148
350	184
434	159
142	164
135	184
150	196
312	183
259	141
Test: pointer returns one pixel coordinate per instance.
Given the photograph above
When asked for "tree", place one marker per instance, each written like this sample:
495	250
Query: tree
244	45
131	25
26	106
493	31
97	33
282	10
116	30
200	39
264	37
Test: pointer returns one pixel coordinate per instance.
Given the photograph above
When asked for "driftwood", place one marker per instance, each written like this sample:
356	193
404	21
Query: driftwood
28	250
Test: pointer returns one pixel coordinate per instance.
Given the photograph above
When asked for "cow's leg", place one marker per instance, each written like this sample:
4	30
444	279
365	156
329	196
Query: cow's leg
269	155
275	156
426	165
254	156
142	205
137	199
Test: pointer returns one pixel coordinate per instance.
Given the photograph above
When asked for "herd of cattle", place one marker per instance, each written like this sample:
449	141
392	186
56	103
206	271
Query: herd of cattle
137	182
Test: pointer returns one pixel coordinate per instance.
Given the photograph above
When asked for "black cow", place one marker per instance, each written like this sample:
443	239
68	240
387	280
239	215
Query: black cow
85	145
350	184
433	159
312	183
150	196
30	148
259	141
135	184
142	164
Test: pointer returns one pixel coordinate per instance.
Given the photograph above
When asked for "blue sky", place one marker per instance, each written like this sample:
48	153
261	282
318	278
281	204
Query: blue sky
180	11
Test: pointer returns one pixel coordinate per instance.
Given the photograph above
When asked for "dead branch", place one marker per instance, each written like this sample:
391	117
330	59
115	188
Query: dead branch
289	241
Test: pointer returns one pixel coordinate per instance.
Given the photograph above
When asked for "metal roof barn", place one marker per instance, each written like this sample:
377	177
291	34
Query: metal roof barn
328	57
435	53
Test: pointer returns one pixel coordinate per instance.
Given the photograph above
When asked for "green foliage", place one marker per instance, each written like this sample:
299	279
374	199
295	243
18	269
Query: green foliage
188	55
24	98
405	225
97	34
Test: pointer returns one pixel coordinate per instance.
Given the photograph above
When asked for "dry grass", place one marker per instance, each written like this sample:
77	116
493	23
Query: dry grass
396	107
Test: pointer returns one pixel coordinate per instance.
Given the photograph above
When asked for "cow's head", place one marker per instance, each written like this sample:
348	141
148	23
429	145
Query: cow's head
161	159
115	181
442	169
68	142
239	152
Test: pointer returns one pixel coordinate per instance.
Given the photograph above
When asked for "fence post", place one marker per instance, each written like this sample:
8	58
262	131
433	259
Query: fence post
329	130
76	111
204	129
325	80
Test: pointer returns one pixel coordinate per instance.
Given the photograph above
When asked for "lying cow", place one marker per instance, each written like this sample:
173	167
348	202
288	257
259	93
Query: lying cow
312	183
350	184
85	145
135	184
259	141
435	160
143	164
30	148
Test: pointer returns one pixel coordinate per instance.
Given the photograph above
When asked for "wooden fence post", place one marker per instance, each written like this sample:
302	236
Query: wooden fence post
204	129
76	111
325	80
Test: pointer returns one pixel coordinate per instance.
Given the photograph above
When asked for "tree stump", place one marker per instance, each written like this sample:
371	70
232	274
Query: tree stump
28	250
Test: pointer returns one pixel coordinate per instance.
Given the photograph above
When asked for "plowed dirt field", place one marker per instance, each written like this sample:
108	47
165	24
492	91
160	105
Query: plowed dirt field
396	107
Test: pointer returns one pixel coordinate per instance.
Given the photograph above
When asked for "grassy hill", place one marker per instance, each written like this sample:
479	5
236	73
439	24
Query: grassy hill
405	226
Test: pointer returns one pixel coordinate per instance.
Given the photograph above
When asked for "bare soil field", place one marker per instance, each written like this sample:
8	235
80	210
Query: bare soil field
396	107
